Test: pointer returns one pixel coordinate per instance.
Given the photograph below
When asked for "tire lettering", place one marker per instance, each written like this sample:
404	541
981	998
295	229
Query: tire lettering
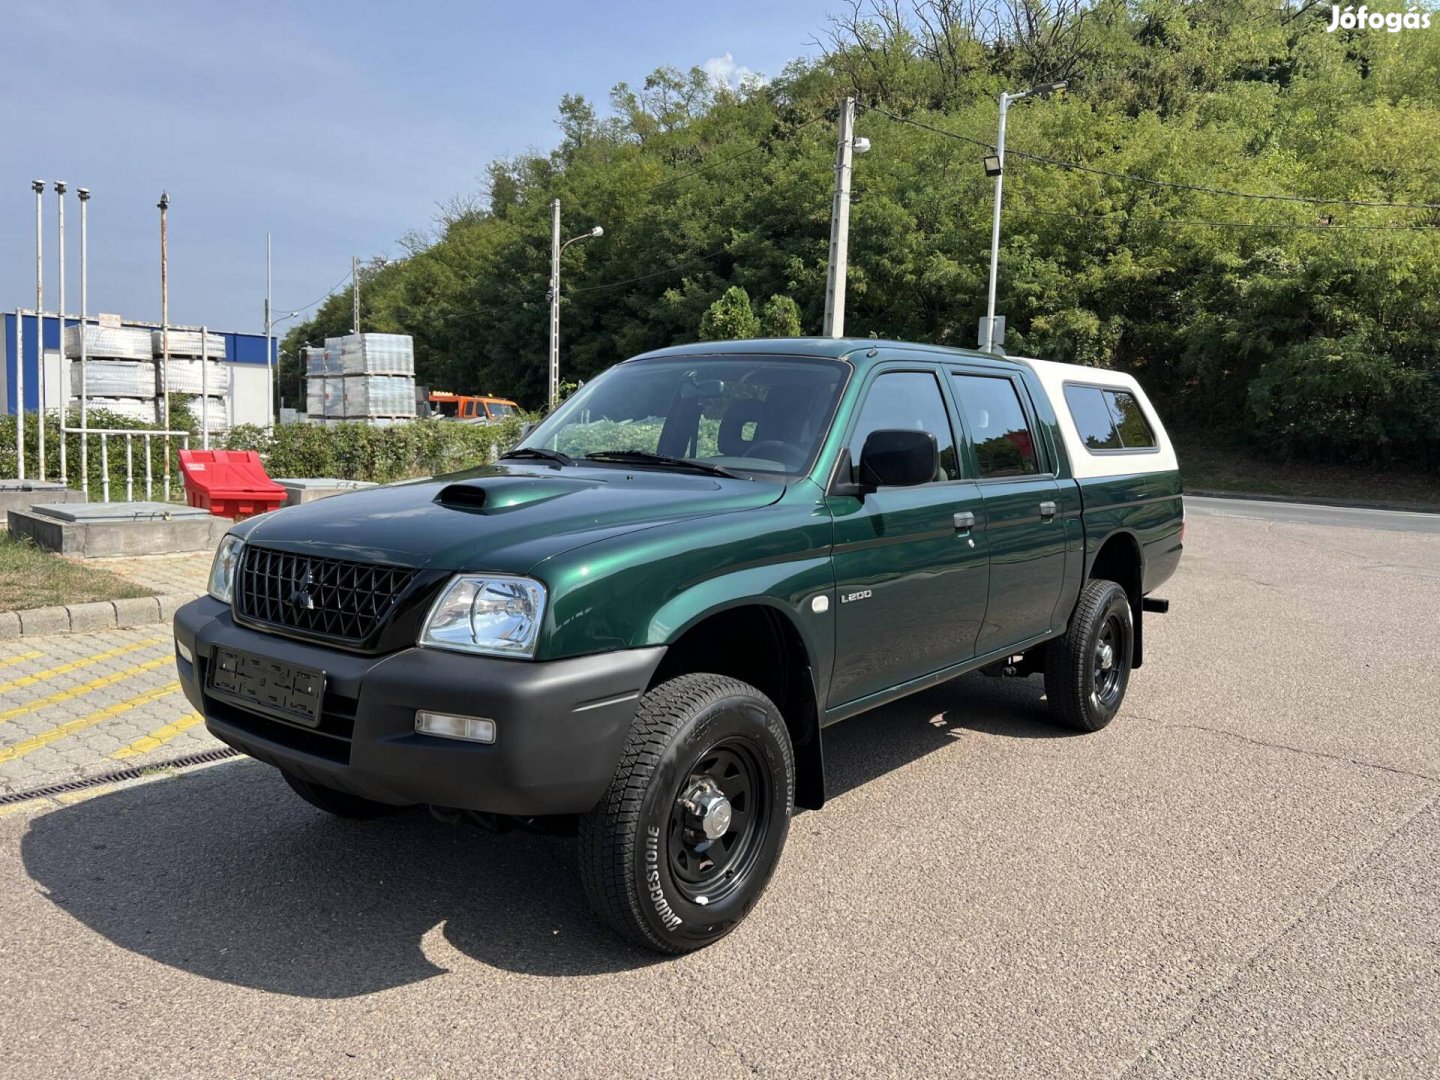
652	880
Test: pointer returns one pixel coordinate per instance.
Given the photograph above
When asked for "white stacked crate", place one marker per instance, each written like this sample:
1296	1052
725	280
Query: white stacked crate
368	377
195	375
119	370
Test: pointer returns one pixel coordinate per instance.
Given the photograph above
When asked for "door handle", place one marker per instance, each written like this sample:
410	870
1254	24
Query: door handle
964	522
1047	510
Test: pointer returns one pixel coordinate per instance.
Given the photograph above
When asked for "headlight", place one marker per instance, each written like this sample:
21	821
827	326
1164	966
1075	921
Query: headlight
222	570
486	614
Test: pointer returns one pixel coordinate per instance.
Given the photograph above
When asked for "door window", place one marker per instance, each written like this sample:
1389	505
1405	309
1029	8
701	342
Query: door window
909	400
1004	442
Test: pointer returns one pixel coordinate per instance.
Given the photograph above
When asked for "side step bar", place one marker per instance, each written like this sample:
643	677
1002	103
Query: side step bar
1155	604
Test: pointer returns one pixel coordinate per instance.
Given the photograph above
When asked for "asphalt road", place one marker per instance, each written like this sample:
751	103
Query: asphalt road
1236	878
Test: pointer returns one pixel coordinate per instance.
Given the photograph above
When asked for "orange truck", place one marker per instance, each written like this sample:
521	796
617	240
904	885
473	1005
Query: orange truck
474	409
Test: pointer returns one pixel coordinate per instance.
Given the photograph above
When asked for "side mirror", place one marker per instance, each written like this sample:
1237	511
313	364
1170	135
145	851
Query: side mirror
527	427
897	457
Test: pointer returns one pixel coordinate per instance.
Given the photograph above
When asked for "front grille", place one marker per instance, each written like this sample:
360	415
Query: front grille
333	599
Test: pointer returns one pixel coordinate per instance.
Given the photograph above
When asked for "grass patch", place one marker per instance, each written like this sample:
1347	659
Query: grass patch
1207	465
31	578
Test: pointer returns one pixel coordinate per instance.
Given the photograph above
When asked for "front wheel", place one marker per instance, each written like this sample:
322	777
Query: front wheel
685	839
1087	670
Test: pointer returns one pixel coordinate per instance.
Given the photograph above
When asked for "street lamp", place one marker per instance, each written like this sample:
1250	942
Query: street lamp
995	166
556	250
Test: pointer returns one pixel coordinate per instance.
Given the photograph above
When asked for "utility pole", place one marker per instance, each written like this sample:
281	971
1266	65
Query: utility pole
556	250
987	341
840	225
552	393
164	207
64	373
38	186
84	195
355	294
987	337
269	335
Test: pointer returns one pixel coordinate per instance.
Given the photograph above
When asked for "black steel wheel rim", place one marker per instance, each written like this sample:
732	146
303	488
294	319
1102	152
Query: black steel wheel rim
1108	675
706	870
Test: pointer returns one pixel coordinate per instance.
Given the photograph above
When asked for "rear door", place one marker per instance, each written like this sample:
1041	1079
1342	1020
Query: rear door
909	561
1021	495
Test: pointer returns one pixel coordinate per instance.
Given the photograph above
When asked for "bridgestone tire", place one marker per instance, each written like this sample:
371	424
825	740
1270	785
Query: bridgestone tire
1081	696
627	843
340	803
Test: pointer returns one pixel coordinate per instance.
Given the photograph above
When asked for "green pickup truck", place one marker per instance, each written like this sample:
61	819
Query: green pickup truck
638	623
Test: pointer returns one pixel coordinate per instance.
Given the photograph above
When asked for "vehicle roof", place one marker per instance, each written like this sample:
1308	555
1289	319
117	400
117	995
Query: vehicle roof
856	350
440	395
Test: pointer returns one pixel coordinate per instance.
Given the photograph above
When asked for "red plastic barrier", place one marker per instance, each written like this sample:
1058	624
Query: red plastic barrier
228	483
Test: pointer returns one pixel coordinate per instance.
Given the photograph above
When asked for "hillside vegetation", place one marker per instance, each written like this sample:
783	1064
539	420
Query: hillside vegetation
1308	329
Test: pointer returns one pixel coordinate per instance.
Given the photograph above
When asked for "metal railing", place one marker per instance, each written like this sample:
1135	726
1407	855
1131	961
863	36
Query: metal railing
148	435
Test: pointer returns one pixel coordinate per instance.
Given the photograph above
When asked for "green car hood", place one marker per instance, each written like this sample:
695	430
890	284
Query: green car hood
500	517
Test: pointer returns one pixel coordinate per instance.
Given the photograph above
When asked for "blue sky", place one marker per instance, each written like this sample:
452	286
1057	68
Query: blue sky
335	127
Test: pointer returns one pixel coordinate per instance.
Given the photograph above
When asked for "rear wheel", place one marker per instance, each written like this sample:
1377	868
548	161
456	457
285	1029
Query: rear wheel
685	840
339	803
1087	671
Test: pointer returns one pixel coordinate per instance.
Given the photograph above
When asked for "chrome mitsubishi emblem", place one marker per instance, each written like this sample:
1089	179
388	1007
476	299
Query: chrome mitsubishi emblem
302	597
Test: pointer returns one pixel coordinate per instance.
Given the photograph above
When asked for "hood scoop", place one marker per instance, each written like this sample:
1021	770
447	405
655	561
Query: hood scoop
463	496
494	494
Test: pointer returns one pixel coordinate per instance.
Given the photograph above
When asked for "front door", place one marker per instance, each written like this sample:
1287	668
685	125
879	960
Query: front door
910	566
1022	523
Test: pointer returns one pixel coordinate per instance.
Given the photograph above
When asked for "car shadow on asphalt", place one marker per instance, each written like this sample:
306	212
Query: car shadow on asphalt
224	873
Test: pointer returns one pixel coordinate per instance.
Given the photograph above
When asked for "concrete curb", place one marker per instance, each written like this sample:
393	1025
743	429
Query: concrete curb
101	615
1353	504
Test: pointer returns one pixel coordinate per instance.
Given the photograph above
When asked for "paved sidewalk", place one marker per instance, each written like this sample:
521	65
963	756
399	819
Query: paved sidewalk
161	574
76	705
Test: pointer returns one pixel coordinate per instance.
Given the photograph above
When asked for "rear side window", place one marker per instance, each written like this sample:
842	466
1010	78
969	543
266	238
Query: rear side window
1004	443
1109	419
1135	433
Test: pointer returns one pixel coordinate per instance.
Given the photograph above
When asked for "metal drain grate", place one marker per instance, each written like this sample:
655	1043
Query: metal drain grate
204	757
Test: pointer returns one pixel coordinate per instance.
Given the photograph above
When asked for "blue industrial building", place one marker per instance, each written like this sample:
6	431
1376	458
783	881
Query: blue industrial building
244	354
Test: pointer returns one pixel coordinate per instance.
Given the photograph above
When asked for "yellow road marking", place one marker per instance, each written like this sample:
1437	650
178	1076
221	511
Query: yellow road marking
84	688
158	737
73	665
7	661
45	738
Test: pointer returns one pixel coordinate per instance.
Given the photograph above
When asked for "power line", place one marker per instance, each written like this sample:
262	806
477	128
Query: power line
1231	224
328	293
1172	184
646	277
763	144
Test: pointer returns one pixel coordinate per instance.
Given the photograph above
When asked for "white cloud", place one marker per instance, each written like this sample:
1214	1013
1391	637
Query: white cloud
726	72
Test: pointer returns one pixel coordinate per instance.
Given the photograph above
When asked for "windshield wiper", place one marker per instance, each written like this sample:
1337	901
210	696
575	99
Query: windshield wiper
644	457
538	452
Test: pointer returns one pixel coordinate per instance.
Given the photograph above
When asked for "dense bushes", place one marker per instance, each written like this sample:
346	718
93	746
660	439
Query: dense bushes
355	451
181	419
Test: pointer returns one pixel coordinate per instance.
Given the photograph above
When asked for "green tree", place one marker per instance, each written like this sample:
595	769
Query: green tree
1224	307
780	317
729	318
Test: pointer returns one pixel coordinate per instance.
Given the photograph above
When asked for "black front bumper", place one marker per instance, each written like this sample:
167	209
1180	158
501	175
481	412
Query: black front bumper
561	724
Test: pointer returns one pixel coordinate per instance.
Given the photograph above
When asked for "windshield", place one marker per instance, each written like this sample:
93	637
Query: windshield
758	416
500	408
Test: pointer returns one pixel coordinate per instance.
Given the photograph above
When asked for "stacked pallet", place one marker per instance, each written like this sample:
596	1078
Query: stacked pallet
367	377
124	371
119	370
197	369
